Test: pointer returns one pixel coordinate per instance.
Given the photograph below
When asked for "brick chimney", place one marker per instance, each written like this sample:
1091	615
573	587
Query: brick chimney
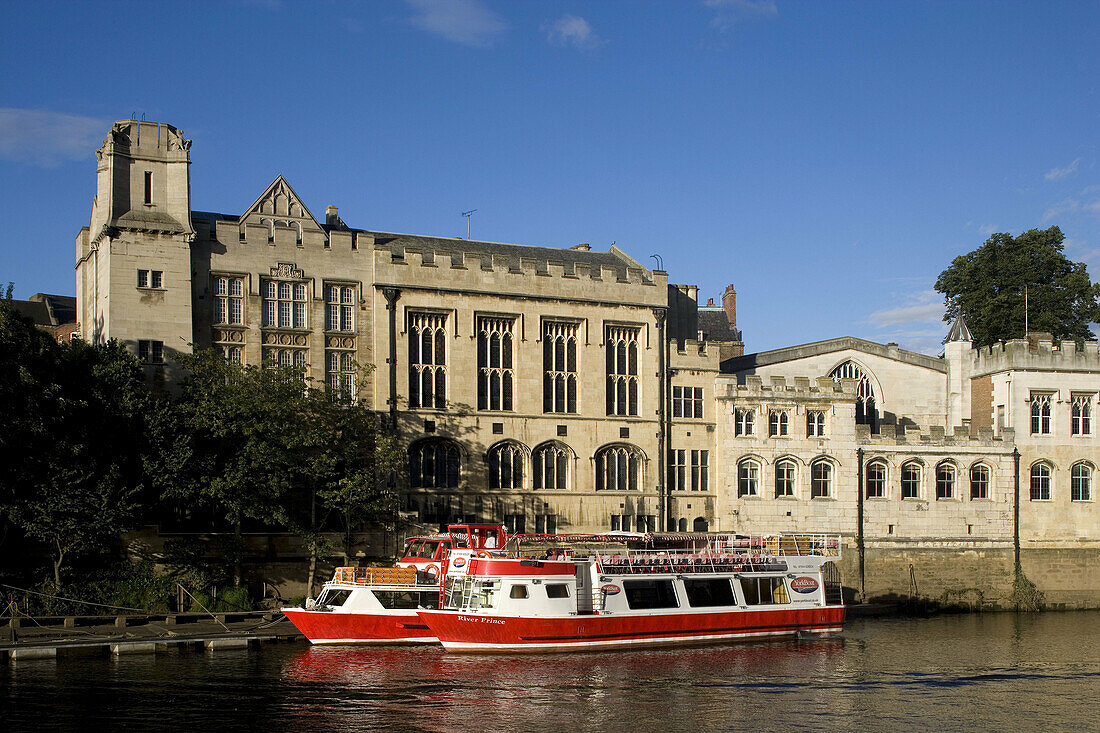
729	305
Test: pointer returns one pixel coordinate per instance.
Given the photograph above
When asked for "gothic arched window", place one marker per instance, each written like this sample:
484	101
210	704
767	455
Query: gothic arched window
866	412
434	464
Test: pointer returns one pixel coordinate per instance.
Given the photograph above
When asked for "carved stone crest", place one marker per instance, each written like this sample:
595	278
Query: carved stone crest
287	271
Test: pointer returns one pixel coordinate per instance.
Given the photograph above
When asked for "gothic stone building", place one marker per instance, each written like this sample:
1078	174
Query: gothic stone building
565	389
537	386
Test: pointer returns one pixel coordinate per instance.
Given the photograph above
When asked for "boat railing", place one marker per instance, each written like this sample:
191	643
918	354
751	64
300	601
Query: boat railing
376	576
733	554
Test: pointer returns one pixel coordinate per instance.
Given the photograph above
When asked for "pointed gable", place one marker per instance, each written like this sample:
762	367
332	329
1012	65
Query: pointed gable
280	206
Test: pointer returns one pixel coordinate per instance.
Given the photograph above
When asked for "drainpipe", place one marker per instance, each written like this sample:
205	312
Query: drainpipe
859	523
1016	509
664	494
392	295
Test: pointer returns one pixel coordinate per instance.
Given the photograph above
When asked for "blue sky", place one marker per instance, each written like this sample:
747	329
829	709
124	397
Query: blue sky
827	158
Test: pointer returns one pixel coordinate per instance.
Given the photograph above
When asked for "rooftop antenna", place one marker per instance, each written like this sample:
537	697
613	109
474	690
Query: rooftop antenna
468	214
660	262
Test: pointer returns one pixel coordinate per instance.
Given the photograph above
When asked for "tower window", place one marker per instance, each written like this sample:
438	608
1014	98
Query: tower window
148	188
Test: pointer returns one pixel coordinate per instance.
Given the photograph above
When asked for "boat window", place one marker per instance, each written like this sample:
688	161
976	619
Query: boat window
484	594
428	550
518	591
412	548
398	598
557	590
764	590
333	597
703	592
642	594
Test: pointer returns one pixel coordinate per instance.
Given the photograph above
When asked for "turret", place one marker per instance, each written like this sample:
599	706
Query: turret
958	355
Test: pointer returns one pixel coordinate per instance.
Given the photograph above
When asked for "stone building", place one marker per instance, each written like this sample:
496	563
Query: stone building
567	389
542	387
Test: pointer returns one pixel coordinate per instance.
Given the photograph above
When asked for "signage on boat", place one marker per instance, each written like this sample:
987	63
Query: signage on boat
458	562
610	589
804	584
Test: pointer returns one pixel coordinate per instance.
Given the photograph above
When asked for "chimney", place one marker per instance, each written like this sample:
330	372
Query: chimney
332	216
583	247
710	302
729	305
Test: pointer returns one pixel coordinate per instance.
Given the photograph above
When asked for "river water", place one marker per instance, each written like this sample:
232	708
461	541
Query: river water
952	673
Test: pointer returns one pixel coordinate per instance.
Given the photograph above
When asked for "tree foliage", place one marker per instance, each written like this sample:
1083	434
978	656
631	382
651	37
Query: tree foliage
260	444
73	437
988	287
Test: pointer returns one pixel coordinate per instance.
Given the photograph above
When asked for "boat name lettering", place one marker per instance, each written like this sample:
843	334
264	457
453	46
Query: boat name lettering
804	584
481	619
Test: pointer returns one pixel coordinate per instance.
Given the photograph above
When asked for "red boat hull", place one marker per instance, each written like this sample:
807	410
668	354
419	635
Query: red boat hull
328	627
486	633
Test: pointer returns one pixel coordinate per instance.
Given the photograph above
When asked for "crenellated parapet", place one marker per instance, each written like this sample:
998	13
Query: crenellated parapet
778	387
960	436
460	254
1036	353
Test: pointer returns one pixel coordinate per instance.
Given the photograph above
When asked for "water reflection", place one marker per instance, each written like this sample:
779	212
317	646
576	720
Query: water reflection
953	673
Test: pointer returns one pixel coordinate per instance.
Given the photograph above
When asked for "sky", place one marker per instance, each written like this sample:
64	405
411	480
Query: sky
829	159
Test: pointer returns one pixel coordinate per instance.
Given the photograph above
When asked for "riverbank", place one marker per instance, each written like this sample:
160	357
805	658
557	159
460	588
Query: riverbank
50	637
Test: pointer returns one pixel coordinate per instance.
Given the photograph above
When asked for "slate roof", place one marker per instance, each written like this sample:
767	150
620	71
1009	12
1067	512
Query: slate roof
959	331
715	325
47	310
802	351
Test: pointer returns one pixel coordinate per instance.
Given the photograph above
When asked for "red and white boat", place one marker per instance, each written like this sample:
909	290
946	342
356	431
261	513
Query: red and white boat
702	589
380	605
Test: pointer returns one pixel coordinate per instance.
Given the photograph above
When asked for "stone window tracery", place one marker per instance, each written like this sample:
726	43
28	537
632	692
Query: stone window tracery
340	376
434	464
866	410
621	347
550	466
618	468
427	360
1040	413
1081	415
778	421
815	423
495	376
506	466
559	363
743	422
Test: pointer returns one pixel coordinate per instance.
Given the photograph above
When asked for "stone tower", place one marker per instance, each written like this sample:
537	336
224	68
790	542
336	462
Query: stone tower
133	260
958	354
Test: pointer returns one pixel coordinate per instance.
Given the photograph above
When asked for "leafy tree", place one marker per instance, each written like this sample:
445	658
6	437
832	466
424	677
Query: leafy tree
260	444
988	287
73	437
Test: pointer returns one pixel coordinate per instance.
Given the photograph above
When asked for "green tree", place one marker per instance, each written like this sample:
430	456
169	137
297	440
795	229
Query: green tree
260	444
989	286
73	439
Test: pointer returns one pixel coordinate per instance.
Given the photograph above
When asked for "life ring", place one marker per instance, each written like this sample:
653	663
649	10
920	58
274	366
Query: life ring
432	569
483	553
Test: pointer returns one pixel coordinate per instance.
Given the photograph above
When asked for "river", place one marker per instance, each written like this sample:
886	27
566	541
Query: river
950	673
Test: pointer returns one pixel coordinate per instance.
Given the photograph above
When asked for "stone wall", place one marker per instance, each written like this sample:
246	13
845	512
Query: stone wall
978	576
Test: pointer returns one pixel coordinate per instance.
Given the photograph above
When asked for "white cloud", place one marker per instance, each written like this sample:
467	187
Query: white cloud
1057	174
467	22
728	13
1061	208
47	139
571	30
987	230
925	341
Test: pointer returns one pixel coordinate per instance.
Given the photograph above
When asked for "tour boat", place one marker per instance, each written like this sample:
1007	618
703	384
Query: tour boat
701	589
363	605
